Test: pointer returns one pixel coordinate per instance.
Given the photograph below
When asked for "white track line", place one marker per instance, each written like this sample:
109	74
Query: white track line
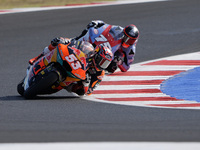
131	95
104	146
135	78
124	87
161	67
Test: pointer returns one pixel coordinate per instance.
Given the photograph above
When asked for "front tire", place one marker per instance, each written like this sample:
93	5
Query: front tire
41	85
20	88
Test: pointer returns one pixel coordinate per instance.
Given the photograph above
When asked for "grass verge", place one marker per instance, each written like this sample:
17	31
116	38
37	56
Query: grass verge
9	4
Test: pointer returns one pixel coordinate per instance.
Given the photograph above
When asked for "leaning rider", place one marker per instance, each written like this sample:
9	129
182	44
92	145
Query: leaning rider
122	42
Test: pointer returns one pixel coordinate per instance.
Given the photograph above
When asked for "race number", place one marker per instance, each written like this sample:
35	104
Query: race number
75	64
103	39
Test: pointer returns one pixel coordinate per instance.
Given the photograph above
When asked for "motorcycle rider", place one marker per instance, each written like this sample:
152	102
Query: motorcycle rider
98	60
122	41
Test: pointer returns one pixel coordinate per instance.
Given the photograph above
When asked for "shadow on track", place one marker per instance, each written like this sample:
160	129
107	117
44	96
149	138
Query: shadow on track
20	98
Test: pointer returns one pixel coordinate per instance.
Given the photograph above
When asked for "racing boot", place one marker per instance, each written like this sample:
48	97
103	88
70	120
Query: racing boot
45	51
31	61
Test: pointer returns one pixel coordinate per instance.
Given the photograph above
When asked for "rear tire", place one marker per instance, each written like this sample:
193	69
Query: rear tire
44	83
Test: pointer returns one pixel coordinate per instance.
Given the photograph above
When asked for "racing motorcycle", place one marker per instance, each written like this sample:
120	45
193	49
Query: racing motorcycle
56	69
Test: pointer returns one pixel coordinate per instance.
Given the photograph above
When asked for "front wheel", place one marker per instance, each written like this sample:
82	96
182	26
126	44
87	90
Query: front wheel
20	88
41	85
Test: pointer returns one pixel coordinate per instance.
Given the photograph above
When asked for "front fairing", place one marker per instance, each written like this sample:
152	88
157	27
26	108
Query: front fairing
36	71
73	61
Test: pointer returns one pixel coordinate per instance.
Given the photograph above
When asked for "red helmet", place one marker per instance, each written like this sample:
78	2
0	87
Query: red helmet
131	34
103	57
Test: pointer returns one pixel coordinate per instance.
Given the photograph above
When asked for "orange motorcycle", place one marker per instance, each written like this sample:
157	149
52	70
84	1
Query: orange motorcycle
57	69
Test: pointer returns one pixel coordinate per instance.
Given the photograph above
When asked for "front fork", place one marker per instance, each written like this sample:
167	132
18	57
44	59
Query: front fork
26	83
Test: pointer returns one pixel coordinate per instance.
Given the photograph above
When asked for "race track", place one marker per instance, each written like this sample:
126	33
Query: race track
166	28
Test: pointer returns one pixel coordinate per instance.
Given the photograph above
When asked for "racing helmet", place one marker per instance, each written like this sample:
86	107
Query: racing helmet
131	34
102	57
86	48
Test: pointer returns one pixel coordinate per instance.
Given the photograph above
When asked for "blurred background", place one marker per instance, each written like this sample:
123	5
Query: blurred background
8	4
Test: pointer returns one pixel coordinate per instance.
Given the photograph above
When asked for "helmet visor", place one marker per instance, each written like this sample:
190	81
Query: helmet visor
86	48
128	40
101	62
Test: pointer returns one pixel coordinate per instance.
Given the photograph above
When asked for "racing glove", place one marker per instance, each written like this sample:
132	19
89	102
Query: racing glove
119	57
55	41
112	67
61	40
86	82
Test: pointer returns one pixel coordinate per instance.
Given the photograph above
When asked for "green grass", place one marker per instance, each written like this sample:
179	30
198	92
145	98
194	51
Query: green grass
8	4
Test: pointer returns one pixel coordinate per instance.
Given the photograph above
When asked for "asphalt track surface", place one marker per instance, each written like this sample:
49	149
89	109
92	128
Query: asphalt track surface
167	28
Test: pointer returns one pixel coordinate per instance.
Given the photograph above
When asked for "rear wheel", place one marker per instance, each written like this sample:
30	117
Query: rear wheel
41	85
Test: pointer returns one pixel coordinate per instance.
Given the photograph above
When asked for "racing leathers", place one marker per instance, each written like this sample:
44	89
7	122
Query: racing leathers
86	87
100	33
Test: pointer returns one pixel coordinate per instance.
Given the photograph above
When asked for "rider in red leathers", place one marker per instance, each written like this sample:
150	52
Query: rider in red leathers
122	42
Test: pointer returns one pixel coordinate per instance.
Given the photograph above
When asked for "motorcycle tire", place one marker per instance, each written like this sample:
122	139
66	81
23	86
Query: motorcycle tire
20	88
44	83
